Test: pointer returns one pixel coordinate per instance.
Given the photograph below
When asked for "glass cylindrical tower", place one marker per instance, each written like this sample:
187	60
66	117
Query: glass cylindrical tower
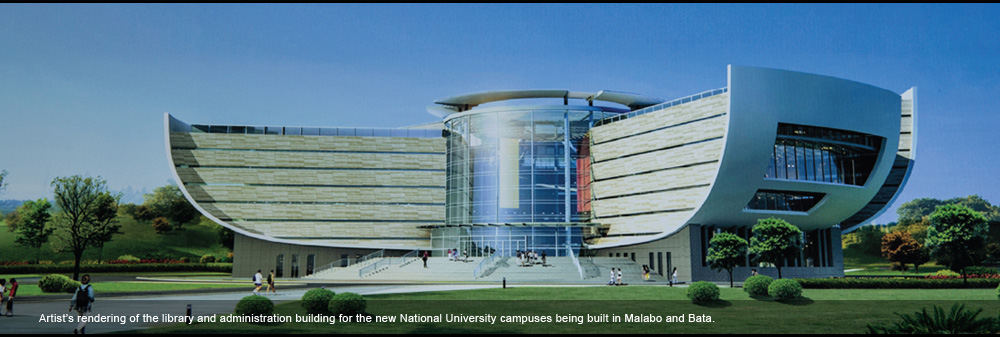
517	164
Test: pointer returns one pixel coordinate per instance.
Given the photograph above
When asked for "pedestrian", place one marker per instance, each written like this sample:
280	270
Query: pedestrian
270	283
425	259
81	302
257	280
674	277
543	258
645	273
465	253
12	290
612	281
619	276
753	272
3	300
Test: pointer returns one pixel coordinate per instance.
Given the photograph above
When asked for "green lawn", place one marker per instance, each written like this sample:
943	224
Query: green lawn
195	240
821	311
878	265
128	287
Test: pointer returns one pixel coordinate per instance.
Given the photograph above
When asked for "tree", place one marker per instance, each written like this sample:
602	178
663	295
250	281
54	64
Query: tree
144	213
31	221
227	238
12	220
168	201
901	249
88	215
726	251
774	241
957	237
3	174
867	239
916	209
161	225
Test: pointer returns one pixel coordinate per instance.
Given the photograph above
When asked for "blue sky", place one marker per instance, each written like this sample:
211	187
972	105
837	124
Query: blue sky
83	88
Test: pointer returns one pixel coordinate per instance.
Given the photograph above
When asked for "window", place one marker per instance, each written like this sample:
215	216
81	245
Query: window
279	266
790	201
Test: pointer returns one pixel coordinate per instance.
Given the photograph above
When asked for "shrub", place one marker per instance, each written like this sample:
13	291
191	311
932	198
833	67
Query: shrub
317	301
784	289
899	283
757	285
207	258
117	268
957	321
161	225
703	291
255	305
979	270
185	260
56	283
998	291
946	272
128	258
347	304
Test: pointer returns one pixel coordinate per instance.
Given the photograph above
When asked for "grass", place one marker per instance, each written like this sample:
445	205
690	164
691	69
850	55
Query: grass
878	265
821	311
128	287
195	240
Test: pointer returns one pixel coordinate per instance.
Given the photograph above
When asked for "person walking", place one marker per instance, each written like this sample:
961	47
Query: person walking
3	299
425	259
674	280
270	284
612	281
10	297
619	276
257	280
81	302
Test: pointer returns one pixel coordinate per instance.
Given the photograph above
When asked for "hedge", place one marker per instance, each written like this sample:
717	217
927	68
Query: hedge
116	268
703	291
896	283
254	305
784	289
347	304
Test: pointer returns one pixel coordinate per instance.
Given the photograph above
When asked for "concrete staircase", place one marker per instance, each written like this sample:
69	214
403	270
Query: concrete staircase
556	270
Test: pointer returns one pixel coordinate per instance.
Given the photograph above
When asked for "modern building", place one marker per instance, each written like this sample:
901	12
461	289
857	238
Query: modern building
603	174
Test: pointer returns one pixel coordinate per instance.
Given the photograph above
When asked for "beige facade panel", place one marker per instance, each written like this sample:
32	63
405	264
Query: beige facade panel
340	230
323	143
683	134
679	156
308	159
316	194
314	211
702	108
405	245
649	223
669	200
654	181
905	141
310	177
906	124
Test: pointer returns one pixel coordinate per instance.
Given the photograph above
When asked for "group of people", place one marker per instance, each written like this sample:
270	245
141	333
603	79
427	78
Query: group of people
529	258
7	302
453	255
258	283
616	277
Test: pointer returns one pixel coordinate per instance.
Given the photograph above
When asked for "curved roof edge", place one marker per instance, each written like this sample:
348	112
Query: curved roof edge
459	103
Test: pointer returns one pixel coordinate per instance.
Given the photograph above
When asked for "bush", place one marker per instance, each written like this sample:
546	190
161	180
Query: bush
979	270
161	225
998	291
207	258
703	291
255	305
347	304
958	321
317	301
946	272
116	268
56	283
185	260
128	258
898	283
757	285
784	289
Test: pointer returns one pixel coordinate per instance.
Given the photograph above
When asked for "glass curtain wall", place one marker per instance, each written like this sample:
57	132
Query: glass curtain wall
823	154
516	166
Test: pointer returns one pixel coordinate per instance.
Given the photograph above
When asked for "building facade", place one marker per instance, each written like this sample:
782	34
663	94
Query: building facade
603	174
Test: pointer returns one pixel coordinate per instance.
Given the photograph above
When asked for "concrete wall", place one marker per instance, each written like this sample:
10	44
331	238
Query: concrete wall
252	254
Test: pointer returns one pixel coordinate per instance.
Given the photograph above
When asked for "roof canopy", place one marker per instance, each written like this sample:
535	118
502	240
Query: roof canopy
459	103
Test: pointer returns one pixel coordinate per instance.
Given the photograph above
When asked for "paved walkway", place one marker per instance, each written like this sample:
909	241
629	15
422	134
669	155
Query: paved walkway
29	314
